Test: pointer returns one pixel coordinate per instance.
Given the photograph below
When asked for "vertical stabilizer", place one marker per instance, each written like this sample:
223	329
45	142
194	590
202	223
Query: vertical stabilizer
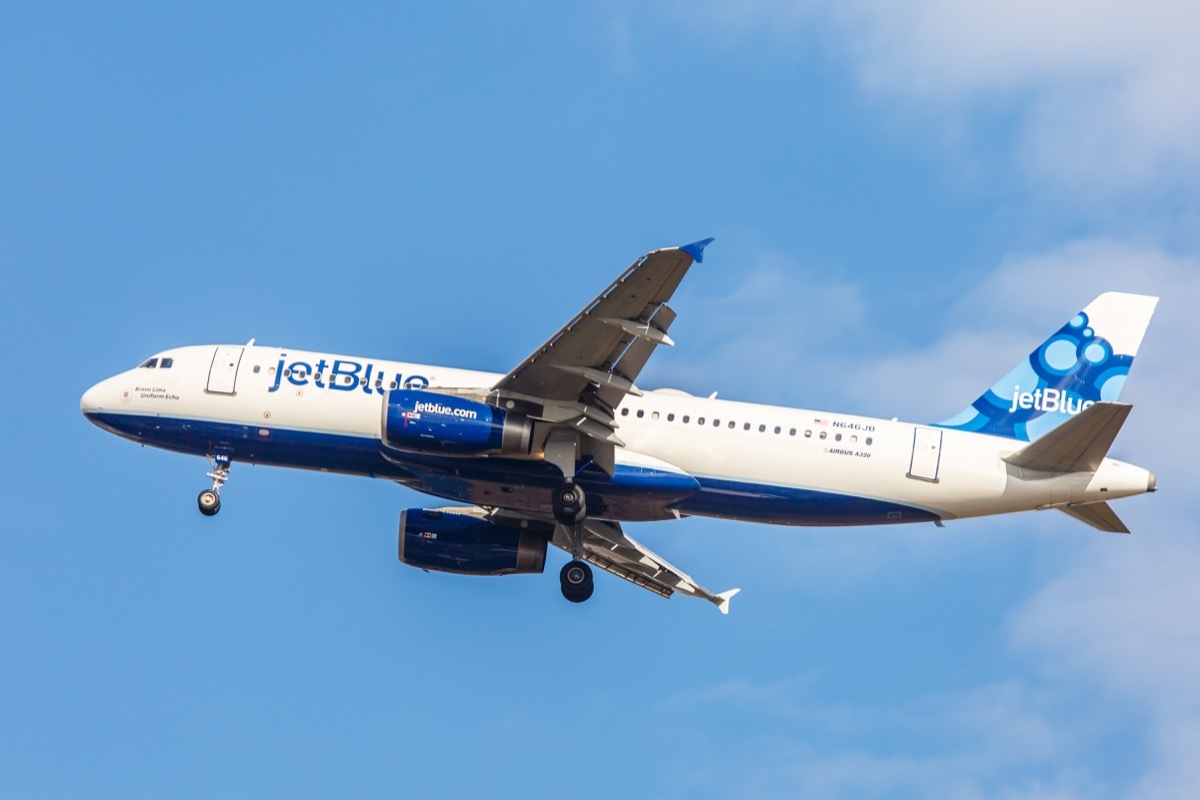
1081	364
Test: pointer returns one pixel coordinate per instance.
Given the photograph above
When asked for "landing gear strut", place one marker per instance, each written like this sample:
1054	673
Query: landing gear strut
209	500
570	510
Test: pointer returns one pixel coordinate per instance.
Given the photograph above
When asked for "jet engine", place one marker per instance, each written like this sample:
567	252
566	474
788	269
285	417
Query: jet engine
449	540
416	421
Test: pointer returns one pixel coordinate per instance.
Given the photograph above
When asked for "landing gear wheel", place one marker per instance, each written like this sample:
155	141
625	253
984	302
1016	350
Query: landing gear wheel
576	580
210	499
569	503
209	502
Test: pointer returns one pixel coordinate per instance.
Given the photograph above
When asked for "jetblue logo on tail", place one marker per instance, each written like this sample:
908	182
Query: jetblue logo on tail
1048	400
1082	363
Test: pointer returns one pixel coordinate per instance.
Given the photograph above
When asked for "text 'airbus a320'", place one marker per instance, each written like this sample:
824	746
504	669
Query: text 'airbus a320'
564	448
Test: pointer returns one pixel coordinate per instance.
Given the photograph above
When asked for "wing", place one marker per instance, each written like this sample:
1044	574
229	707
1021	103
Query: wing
581	374
611	549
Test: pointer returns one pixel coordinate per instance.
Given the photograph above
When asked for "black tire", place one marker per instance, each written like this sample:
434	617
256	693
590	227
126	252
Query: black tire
209	502
569	503
577	582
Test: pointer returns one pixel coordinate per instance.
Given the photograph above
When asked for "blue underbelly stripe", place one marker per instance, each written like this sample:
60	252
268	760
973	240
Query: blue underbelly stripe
460	478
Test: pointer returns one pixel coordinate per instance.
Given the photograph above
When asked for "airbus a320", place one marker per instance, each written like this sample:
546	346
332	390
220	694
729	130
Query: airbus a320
565	449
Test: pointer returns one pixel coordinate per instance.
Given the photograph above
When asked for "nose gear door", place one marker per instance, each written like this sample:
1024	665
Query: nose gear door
222	375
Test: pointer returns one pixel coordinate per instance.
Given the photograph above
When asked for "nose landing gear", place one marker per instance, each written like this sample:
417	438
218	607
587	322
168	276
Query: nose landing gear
209	500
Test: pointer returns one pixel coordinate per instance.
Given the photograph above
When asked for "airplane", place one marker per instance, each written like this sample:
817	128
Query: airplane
565	448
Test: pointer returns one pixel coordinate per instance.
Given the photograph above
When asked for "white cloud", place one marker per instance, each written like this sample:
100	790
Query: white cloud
998	740
767	334
1120	623
1103	91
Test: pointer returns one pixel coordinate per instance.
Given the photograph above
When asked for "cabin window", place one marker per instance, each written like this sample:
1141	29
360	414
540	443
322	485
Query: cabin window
392	385
808	434
654	415
641	413
287	373
149	364
746	427
257	368
670	417
624	412
716	423
870	440
686	418
837	438
762	428
792	432
823	435
699	420
778	429
853	439
732	424
167	363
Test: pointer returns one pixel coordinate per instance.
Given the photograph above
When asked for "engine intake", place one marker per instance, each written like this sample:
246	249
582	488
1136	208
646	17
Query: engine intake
450	541
428	422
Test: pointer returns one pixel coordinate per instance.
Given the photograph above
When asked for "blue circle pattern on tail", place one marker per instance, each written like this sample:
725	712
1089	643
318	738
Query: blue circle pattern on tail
1072	369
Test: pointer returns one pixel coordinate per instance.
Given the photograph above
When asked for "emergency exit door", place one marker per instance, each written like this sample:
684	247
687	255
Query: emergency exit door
222	375
926	454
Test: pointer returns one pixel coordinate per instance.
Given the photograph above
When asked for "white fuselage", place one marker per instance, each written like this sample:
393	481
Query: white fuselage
756	462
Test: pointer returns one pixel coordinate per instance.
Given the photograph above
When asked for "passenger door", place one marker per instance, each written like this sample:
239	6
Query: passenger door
222	374
926	454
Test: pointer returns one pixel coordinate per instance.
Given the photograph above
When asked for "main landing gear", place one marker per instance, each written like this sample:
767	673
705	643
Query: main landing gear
209	500
570	510
576	580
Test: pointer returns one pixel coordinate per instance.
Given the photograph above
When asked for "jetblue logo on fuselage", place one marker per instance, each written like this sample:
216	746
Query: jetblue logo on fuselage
1048	400
343	375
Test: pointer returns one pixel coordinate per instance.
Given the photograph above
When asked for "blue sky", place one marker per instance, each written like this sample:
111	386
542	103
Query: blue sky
905	203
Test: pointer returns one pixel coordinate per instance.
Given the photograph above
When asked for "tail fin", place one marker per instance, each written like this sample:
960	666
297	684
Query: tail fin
1082	363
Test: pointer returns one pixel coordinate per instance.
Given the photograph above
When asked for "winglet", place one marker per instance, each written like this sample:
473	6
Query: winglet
696	249
722	600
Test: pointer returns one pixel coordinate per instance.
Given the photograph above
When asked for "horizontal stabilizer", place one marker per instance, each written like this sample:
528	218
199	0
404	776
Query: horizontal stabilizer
1099	515
1077	445
722	600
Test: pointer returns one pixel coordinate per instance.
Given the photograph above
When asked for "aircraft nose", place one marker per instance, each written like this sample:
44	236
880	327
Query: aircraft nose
92	400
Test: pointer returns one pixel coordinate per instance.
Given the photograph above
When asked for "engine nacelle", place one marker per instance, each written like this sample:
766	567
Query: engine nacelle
427	422
449	541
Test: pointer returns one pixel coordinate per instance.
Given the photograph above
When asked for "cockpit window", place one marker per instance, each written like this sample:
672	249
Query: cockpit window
150	363
166	363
